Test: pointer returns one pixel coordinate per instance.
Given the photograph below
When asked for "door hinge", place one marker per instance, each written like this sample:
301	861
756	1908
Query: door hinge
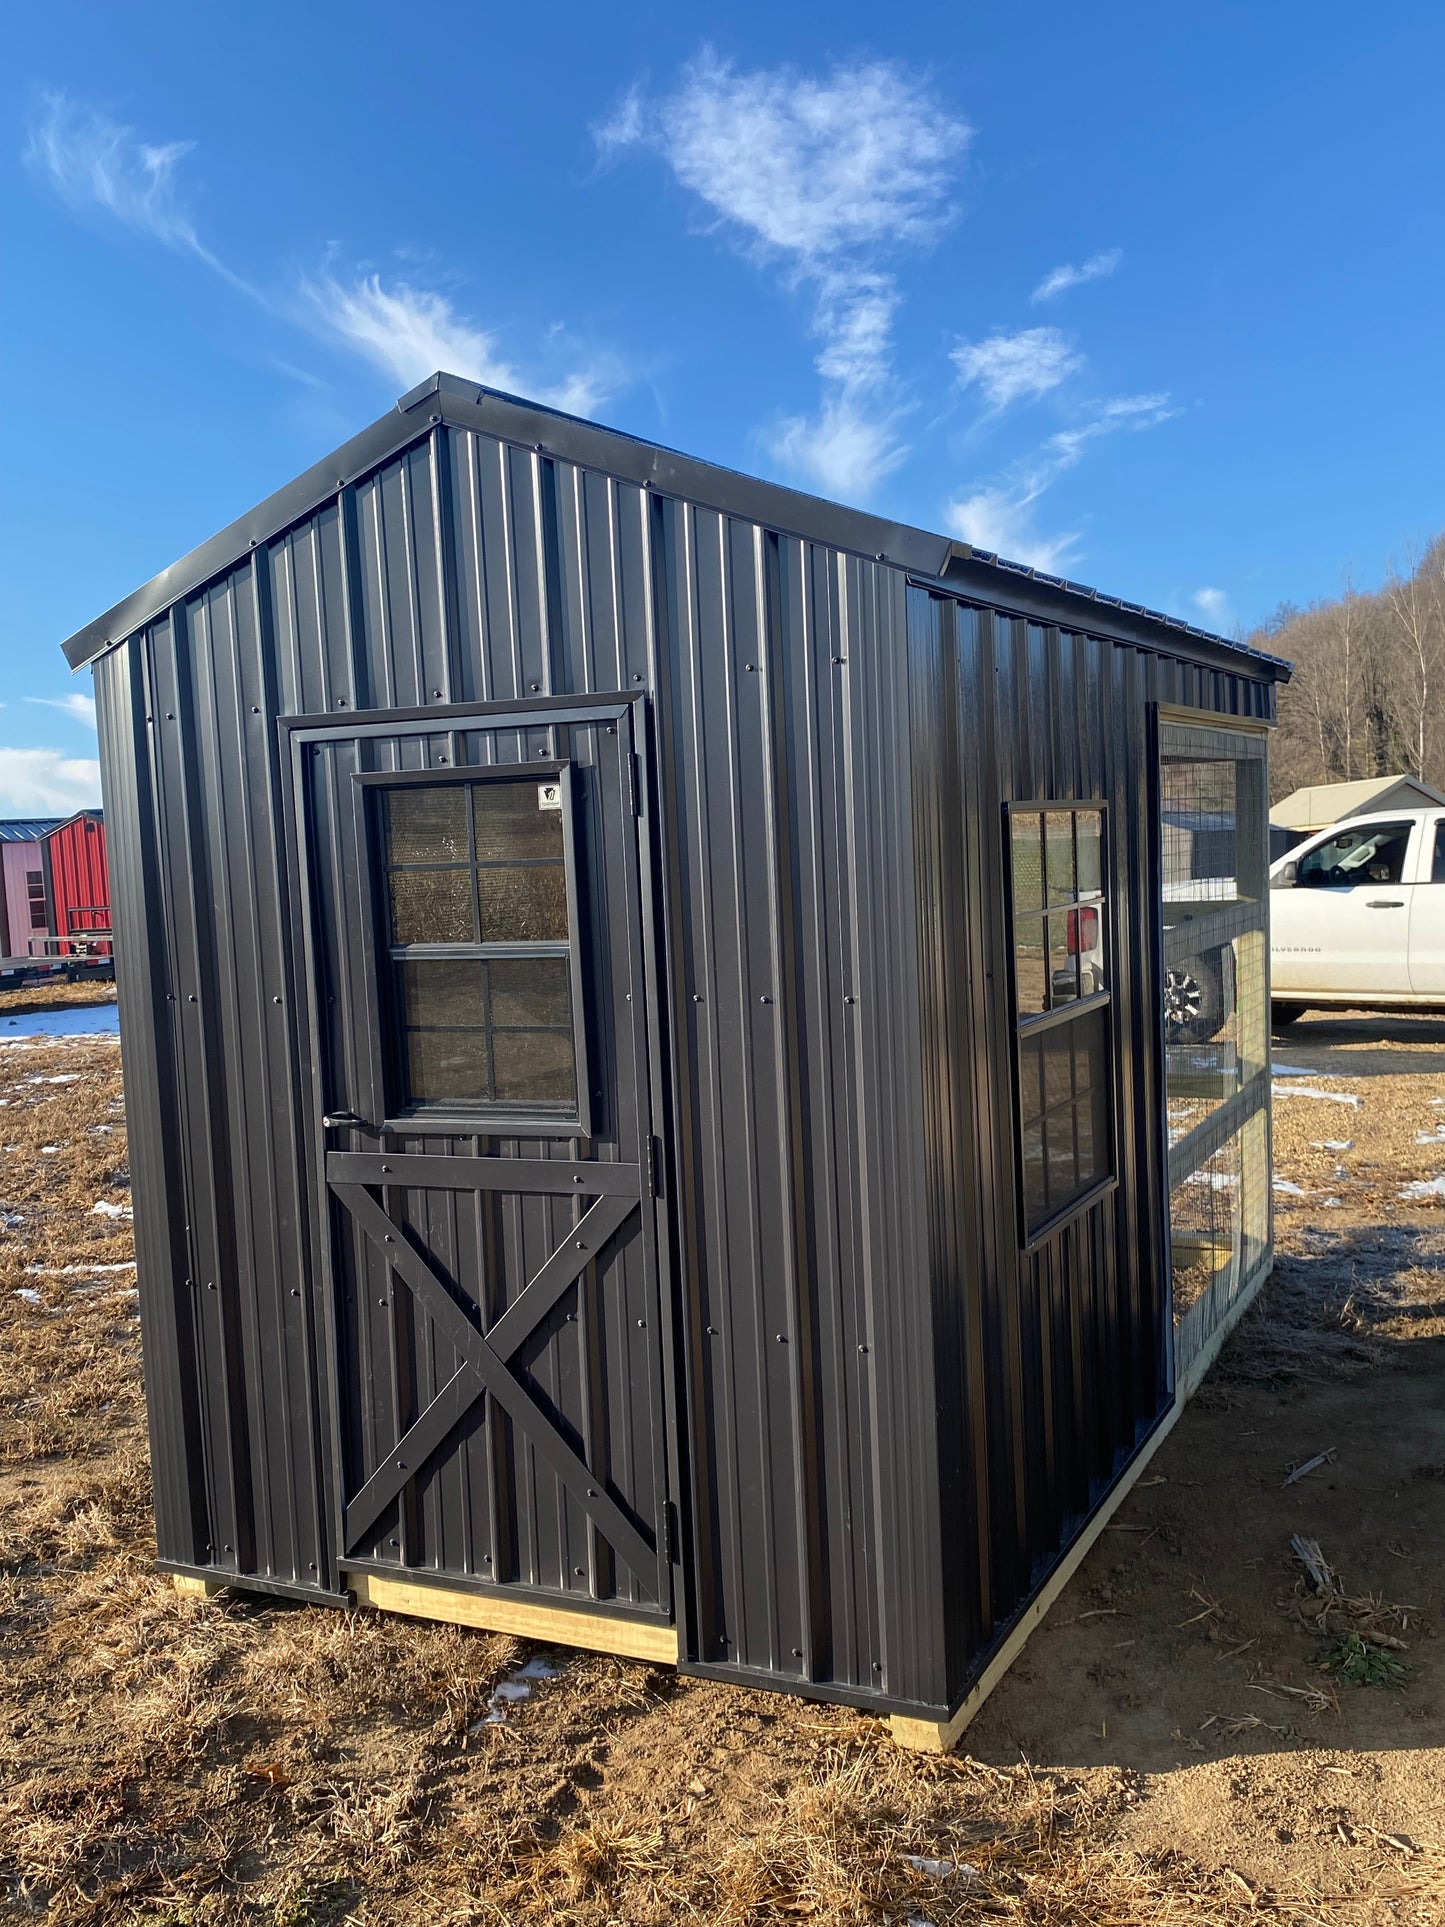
634	781
652	1159
670	1532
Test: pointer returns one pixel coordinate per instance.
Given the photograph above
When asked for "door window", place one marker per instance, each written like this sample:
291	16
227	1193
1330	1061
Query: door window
1372	853
477	906
1437	863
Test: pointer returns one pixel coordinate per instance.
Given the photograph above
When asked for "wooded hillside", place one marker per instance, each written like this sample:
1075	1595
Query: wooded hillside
1366	699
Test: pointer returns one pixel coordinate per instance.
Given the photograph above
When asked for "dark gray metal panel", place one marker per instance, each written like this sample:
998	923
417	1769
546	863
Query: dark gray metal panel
1054	1362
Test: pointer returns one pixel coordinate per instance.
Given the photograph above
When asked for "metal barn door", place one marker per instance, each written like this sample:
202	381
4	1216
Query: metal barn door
479	949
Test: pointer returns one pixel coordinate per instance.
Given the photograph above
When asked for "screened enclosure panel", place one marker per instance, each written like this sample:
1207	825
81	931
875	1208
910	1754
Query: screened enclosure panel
1214	808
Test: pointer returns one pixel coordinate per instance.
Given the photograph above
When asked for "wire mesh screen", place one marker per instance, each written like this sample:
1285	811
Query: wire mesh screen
1216	997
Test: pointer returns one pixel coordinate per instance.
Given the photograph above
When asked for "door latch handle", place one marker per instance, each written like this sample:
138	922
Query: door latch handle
1385	903
338	1120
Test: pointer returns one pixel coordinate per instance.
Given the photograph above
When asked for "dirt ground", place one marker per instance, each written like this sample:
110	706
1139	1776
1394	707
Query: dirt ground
1169	1749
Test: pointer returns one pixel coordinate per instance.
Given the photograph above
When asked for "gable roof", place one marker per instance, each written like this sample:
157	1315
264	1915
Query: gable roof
936	559
1321	804
28	829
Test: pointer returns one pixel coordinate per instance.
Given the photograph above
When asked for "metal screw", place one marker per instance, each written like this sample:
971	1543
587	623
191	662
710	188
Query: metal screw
712	1331
765	1000
255	709
642	1324
637	675
697	996
436	692
749	665
576	1176
295	1293
436	418
210	1284
797	1652
850	1000
878	1665
389	1239
580	1245
401	1465
170	715
592	1492
862	1348
782	1338
275	1000
581	1571
312	1566
386	1170
534	687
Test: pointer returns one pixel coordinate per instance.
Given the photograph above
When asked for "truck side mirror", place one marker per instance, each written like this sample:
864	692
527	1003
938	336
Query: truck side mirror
1287	878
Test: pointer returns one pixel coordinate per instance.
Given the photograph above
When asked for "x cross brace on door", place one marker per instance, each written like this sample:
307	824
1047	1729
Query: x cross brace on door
485	1367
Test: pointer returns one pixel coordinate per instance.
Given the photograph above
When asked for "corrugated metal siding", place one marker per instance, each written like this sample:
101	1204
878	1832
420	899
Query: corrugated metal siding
469	569
1063	1351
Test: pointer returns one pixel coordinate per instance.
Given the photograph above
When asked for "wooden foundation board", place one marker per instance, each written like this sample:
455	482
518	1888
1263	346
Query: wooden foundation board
493	1613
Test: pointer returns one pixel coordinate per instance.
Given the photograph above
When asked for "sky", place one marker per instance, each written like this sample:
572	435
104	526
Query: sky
1149	297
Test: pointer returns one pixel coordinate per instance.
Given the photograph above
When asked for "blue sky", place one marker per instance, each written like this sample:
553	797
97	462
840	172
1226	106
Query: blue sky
1147	295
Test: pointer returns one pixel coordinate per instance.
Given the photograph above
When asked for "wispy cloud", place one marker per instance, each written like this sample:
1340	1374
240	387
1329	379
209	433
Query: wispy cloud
45	782
1016	367
79	707
825	177
999	515
1214	606
408	333
92	161
1060	280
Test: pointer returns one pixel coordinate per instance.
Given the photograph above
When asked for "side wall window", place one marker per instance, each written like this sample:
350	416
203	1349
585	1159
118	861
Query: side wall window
478	945
1061	1006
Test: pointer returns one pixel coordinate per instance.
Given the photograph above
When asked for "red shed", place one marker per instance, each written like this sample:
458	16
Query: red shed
78	884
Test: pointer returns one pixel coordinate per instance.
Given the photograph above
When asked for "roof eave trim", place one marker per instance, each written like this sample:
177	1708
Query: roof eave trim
948	565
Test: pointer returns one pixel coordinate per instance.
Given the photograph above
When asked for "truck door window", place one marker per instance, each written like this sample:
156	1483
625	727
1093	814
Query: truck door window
1437	866
1374	853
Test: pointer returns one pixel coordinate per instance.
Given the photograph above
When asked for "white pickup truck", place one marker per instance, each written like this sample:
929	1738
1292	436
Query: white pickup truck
1357	916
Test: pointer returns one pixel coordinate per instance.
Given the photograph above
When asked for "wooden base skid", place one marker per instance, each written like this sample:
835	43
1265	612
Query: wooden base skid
494	1613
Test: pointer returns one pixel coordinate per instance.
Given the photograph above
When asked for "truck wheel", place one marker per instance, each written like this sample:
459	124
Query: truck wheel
1193	999
1281	1016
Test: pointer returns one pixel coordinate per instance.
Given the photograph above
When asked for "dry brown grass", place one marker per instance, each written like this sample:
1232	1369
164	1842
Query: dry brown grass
58	996
180	1761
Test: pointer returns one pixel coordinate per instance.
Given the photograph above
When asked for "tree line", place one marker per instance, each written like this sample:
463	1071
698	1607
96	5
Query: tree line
1369	678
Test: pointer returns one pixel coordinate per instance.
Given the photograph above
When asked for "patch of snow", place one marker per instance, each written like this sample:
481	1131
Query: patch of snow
1331	1202
1332	1144
50	1150
1288	1185
65	1077
30	1296
1291	1070
1425	1188
69	1271
103	1208
940	1869
1330	1097
1431	1137
510	1691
